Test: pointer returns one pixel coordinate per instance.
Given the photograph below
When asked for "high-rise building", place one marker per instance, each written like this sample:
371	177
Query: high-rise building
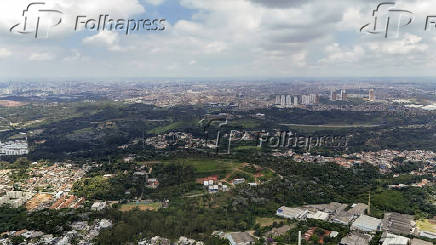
371	95
305	99
288	100
277	99
283	101
343	95
296	101
333	95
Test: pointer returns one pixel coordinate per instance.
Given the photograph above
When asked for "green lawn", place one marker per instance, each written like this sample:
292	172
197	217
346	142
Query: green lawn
164	129
205	167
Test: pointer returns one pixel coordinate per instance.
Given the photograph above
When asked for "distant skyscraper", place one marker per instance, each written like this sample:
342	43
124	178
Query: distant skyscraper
288	100
343	95
277	99
371	95
333	96
283	100
295	100
305	99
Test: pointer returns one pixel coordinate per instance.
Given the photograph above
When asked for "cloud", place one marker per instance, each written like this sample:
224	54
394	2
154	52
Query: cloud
155	2
11	12
280	3
227	37
41	57
108	39
5	53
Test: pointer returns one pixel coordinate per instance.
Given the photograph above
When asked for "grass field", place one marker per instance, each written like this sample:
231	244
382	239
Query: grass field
426	225
154	206
245	123
205	167
246	148
267	221
315	128
164	129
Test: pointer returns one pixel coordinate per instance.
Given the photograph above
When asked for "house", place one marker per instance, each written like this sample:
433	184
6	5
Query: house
152	183
292	213
366	223
210	180
356	238
240	238
333	234
391	239
238	181
97	206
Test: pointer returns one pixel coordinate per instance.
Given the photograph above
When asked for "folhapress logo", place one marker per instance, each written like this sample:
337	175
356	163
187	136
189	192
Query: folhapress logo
37	18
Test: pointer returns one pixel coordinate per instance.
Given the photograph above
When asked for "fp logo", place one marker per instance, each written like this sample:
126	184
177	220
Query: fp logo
387	19
37	18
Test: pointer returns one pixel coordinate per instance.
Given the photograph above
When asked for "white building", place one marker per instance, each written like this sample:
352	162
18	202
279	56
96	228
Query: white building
391	239
292	213
367	224
14	148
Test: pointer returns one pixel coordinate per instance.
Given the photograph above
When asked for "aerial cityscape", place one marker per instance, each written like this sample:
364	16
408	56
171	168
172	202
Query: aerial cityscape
217	122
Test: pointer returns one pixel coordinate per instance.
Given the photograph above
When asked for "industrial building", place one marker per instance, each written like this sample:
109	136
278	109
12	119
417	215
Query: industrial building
366	223
292	213
240	238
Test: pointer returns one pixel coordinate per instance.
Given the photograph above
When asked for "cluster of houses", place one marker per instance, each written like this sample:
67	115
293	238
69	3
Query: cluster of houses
212	184
15	198
14	148
82	232
157	240
395	226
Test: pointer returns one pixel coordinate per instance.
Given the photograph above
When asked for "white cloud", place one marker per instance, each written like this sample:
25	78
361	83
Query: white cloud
408	44
41	56
108	39
5	53
231	37
155	2
11	12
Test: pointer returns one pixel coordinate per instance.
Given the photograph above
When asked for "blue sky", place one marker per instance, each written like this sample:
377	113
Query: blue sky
221	38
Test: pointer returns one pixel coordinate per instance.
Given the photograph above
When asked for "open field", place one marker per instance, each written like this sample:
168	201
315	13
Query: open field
205	167
332	126
267	221
143	206
426	225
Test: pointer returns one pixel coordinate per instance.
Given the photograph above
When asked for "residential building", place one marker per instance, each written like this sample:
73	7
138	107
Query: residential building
97	206
371	95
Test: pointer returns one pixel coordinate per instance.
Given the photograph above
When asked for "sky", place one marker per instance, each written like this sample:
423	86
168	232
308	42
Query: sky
220	38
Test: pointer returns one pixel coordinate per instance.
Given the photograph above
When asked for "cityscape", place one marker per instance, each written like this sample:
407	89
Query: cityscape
218	122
